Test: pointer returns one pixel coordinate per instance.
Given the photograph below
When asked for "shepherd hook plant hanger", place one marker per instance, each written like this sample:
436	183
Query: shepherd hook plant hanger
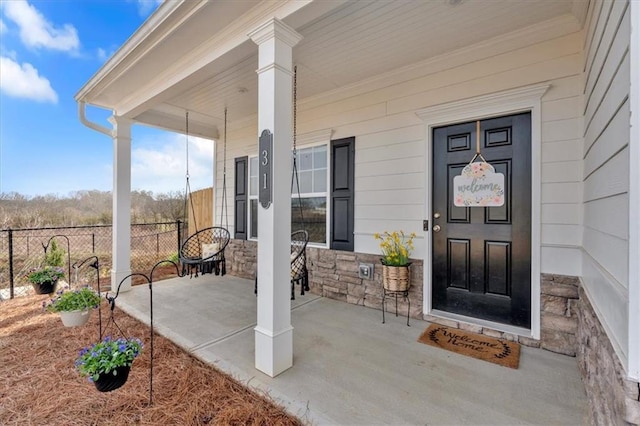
112	303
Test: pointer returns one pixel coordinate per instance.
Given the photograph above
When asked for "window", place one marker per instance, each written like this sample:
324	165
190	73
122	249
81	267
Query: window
309	211
326	177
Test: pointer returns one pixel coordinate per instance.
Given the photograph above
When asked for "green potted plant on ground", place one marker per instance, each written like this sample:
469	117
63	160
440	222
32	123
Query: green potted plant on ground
396	248
107	363
45	279
74	305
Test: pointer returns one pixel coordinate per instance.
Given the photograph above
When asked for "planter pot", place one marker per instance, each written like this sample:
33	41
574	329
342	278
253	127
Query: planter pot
395	278
108	381
46	287
75	318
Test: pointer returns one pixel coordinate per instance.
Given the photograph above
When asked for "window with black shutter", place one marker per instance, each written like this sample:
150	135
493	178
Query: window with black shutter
315	192
342	193
240	198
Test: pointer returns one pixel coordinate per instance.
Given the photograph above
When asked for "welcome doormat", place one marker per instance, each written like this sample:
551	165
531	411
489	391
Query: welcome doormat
498	351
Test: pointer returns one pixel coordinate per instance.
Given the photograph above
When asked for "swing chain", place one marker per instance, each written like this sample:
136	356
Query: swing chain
223	207
187	142
295	110
224	163
294	176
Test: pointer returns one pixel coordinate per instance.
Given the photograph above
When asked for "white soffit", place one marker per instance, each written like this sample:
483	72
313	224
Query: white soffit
348	43
361	40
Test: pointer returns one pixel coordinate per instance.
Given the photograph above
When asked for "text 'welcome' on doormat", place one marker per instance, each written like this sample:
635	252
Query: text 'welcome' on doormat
498	351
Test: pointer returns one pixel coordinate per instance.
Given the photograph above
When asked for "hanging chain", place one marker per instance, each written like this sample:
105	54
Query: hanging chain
223	207
294	176
224	165
186	119
188	199
295	109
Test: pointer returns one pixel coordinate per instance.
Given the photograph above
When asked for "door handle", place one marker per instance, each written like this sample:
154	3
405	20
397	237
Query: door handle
436	228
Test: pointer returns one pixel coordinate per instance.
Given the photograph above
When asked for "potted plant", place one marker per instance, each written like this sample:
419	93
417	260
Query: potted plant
396	248
107	363
45	279
74	305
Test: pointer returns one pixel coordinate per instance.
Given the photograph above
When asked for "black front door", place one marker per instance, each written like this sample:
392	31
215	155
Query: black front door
482	255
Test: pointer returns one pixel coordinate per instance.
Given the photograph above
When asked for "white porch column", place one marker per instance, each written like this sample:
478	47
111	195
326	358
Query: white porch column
121	238
274	333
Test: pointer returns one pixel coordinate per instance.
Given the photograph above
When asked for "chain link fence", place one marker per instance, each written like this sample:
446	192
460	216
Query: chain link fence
22	250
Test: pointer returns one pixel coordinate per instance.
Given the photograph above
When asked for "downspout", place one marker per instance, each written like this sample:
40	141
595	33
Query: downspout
89	124
120	231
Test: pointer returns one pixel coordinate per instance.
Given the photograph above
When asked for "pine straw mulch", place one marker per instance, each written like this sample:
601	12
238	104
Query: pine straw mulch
39	384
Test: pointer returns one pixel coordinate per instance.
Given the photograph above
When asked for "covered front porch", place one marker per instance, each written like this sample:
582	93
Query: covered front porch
349	368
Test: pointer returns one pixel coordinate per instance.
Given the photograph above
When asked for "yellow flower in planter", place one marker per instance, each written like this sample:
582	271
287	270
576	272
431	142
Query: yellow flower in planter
396	247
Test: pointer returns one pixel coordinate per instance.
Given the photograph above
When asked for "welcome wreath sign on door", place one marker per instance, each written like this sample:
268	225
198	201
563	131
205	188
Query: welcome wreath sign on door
478	185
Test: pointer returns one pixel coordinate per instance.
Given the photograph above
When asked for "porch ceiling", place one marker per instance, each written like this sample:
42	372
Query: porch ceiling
344	43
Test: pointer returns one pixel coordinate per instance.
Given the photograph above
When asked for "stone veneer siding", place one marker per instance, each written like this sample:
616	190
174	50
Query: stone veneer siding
558	316
334	274
613	399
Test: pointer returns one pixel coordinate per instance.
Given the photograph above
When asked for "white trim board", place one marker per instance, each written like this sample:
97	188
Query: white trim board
527	98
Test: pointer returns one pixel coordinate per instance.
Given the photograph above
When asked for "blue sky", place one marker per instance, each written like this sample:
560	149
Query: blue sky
48	50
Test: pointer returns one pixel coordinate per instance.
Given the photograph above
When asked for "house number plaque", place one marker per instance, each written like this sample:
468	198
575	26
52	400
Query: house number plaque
265	168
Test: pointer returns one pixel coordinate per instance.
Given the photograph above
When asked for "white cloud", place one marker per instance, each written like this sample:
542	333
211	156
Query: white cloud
10	54
37	32
23	81
147	6
161	166
3	27
102	54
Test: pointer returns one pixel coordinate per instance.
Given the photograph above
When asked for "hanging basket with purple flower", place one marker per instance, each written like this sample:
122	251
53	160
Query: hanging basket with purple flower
107	363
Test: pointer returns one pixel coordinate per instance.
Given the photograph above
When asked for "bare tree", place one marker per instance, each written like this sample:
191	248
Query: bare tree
85	208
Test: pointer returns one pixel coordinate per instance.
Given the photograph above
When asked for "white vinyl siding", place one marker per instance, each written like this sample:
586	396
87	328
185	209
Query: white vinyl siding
584	143
390	149
606	168
390	174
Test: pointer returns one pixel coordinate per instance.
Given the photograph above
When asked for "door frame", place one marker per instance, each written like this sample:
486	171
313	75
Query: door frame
523	99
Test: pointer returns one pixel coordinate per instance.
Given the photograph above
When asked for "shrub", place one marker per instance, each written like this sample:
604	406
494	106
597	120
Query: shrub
54	255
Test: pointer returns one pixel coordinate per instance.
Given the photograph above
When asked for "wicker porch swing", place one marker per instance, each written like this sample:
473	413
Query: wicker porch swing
203	252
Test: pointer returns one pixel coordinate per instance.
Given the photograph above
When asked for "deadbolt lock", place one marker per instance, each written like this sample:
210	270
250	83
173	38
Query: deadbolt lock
436	215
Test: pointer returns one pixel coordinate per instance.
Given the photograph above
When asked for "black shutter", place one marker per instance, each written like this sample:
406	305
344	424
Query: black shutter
241	198
342	191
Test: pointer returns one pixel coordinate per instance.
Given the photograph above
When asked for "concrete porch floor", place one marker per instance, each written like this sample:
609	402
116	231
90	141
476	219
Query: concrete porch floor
349	368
